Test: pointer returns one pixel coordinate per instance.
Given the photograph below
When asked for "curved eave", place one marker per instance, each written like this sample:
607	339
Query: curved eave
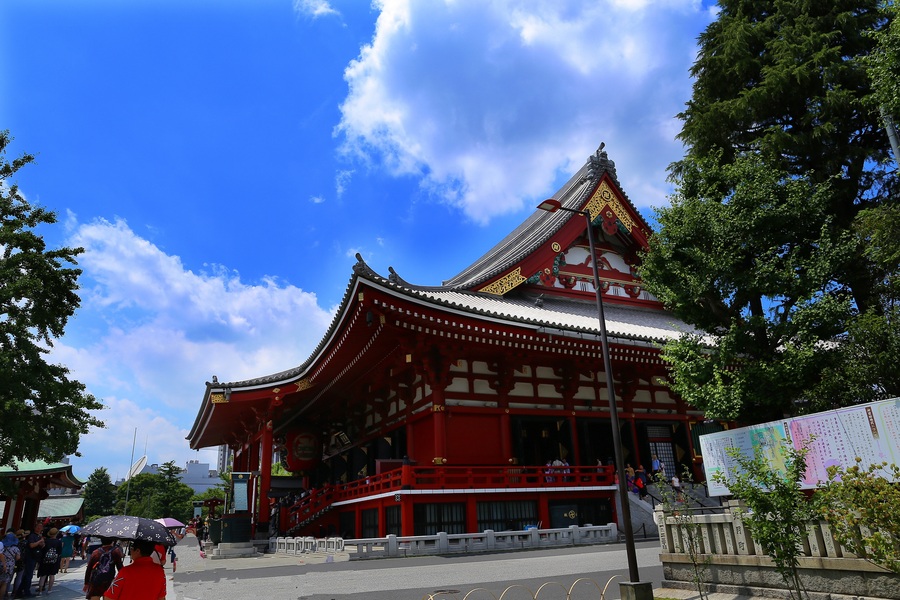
59	474
257	392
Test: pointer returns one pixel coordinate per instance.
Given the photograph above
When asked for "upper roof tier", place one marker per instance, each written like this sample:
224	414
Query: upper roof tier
541	227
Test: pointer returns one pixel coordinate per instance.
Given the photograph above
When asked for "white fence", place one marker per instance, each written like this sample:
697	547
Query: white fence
487	541
444	543
305	545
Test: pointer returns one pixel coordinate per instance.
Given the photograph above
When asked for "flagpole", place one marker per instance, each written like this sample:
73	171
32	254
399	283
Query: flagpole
128	482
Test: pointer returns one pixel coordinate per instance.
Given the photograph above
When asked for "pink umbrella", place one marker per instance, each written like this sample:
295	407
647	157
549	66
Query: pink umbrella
170	522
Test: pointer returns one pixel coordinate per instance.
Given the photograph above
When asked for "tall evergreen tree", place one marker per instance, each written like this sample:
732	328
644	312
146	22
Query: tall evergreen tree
174	497
761	248
99	494
37	297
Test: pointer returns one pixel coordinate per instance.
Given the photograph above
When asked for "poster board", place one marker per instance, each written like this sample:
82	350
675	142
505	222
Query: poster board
869	431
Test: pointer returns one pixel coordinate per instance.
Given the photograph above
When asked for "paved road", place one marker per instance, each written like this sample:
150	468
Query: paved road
280	577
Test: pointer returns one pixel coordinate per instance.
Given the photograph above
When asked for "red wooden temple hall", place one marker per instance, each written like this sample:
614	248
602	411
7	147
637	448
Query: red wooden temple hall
437	408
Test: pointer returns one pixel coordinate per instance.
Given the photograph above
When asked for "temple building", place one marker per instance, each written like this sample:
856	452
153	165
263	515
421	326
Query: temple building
27	494
477	404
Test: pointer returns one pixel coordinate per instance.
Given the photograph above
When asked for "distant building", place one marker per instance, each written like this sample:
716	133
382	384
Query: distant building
196	475
224	460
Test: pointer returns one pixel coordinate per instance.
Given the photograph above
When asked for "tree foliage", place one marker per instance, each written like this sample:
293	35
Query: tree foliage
775	508
860	505
884	68
156	495
99	494
174	497
37	296
135	496
765	248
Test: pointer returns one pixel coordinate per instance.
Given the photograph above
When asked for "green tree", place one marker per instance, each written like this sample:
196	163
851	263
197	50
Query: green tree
775	508
157	495
99	494
784	152
140	492
174	497
37	297
884	68
860	506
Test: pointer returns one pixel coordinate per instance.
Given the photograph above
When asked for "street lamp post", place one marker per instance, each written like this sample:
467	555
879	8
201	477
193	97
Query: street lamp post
553	205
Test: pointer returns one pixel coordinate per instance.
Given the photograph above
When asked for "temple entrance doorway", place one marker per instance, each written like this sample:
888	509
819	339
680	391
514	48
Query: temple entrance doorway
537	440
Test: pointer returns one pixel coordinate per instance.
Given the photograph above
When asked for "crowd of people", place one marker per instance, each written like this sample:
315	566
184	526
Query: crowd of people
30	560
26	555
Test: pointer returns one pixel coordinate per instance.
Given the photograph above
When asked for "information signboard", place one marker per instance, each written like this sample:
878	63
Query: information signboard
835	437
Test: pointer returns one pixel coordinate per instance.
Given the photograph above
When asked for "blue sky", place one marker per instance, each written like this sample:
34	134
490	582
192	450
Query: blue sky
221	162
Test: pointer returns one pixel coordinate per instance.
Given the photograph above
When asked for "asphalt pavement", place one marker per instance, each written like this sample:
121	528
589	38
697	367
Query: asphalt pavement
580	572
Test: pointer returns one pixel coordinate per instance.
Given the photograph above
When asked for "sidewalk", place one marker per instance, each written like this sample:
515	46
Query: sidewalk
68	586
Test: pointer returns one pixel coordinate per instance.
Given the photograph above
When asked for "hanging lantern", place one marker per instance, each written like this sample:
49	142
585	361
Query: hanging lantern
303	450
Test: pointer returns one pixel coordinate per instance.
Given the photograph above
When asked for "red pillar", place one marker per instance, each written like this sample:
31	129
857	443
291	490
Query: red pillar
634	444
20	508
471	514
544	511
439	420
410	442
265	475
407	525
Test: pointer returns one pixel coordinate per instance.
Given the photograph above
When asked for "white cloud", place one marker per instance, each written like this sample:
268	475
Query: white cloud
150	332
317	199
341	181
315	8
492	102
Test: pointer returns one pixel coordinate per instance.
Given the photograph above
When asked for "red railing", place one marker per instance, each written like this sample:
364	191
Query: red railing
319	500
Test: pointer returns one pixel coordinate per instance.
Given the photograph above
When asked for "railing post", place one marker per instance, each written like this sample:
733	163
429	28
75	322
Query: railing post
535	538
406	477
393	547
742	536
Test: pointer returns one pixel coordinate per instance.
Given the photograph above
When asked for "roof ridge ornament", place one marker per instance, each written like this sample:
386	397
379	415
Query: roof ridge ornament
361	268
396	279
599	162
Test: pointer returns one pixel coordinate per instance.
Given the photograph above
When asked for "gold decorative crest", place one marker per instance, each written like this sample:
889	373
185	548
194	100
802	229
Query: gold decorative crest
505	283
217	399
605	196
555	246
303	384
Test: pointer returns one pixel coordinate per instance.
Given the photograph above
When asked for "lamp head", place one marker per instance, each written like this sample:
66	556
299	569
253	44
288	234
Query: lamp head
550	205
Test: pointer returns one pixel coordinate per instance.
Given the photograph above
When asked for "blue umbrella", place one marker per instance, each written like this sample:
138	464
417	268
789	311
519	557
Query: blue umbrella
70	529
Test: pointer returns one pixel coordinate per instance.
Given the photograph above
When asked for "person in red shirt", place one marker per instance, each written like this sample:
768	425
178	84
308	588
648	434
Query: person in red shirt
143	579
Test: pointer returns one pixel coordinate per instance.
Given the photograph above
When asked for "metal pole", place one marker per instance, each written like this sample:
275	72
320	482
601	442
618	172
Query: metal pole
128	484
613	410
891	129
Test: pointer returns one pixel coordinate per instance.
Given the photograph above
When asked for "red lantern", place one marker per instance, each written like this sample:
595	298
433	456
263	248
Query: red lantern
303	449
